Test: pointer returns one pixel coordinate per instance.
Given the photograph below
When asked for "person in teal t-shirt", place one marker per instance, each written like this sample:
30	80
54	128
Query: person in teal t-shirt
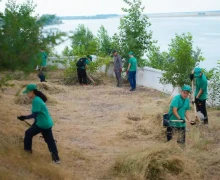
132	68
82	65
200	92
42	69
43	122
179	110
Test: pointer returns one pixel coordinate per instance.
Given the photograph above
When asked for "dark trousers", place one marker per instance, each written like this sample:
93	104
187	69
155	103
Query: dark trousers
132	79
41	74
201	106
47	135
118	77
82	76
181	133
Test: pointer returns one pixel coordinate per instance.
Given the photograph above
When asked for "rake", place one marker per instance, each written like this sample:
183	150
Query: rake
90	78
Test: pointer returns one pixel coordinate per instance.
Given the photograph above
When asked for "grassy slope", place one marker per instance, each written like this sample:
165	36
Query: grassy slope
106	133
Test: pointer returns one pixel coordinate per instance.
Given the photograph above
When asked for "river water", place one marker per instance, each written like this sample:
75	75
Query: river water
205	31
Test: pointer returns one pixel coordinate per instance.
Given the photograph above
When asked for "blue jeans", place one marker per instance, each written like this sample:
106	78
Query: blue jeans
132	79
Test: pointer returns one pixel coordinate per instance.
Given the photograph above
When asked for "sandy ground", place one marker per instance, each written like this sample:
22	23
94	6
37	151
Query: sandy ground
94	125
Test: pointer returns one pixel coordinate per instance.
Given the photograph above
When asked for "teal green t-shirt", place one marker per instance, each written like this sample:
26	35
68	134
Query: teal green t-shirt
43	58
86	63
133	62
43	119
184	105
201	83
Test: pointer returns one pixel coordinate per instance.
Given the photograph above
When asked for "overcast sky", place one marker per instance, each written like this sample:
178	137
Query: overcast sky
92	7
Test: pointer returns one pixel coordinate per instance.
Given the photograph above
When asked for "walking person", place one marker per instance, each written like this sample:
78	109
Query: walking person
131	71
117	68
43	122
179	110
42	69
82	65
200	92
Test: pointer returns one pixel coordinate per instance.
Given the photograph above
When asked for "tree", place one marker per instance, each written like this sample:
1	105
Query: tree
104	42
19	35
134	34
157	59
21	38
182	60
83	42
49	19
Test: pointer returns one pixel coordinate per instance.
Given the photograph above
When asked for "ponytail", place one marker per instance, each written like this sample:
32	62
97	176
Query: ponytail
40	95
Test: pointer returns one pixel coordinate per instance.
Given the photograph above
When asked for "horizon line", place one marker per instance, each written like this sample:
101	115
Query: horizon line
145	13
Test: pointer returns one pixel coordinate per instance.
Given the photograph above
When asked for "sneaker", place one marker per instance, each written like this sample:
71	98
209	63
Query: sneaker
55	158
56	161
28	151
132	90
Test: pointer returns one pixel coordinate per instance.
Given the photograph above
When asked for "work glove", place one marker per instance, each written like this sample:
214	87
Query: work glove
191	76
197	101
21	118
184	121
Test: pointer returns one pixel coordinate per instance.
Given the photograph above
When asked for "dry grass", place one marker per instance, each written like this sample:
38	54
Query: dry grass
104	132
158	162
24	100
51	88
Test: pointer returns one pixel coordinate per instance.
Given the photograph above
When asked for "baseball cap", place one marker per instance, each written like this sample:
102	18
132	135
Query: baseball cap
90	57
197	71
114	51
130	53
186	88
30	87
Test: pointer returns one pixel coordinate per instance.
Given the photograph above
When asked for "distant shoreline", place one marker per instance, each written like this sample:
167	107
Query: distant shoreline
182	16
167	16
156	15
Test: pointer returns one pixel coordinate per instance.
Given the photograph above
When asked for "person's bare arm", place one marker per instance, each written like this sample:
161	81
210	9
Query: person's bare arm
176	113
129	65
199	94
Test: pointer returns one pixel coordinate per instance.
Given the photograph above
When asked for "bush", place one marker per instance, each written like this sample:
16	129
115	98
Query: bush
4	81
214	90
22	37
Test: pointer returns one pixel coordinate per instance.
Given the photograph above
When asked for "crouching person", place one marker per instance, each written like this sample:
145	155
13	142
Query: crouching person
43	122
179	110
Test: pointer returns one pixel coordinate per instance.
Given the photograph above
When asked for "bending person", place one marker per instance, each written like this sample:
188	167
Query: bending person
179	110
43	122
82	65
